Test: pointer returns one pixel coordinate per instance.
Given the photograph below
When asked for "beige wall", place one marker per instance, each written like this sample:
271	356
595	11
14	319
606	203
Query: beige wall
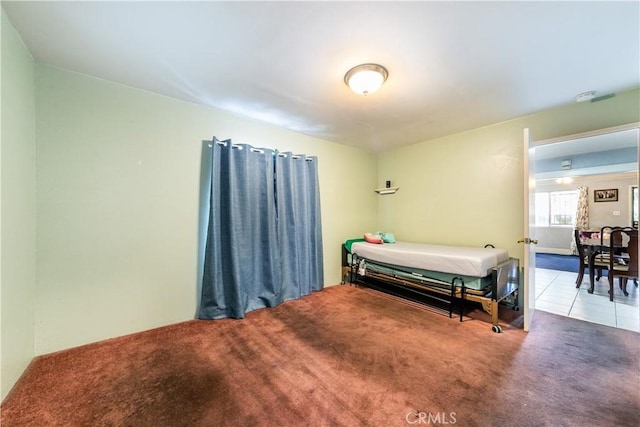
604	213
468	188
18	207
119	201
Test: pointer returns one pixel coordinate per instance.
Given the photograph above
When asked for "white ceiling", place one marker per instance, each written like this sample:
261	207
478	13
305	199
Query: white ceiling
589	144
453	66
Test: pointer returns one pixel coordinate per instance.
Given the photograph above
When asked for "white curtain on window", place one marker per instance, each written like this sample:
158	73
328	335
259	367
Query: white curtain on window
582	214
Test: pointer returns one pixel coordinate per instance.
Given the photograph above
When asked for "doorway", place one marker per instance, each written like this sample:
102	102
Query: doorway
601	160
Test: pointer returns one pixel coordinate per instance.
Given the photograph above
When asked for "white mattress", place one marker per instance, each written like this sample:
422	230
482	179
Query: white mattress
463	260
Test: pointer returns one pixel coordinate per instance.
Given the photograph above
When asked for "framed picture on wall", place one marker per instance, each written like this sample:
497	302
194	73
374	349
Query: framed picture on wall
610	195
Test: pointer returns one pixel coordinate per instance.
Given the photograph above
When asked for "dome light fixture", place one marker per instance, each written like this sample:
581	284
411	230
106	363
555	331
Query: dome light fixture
366	78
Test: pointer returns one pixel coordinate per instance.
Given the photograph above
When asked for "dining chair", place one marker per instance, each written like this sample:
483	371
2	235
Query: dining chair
601	259
625	266
617	239
622	251
584	260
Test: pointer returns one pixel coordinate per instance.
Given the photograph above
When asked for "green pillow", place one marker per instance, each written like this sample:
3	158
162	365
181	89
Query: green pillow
388	238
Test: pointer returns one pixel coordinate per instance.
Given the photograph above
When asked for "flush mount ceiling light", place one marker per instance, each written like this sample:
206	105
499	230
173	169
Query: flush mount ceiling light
366	78
565	180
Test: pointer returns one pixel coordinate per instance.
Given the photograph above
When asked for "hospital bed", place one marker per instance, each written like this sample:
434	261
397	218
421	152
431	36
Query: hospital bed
438	275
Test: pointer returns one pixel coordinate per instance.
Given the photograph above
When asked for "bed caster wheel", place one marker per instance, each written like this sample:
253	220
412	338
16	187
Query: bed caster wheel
497	329
516	308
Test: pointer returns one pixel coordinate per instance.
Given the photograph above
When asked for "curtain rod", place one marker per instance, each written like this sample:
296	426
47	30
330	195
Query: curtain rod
259	150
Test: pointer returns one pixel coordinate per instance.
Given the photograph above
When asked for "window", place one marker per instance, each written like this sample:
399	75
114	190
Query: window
556	208
542	209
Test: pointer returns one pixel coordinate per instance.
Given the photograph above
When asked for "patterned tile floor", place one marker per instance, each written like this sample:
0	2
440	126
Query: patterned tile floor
556	292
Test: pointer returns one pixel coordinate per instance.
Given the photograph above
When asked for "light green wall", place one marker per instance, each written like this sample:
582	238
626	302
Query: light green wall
468	188
118	198
18	212
118	204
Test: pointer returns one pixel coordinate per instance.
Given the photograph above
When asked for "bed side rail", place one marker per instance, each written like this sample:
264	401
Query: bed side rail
440	294
505	278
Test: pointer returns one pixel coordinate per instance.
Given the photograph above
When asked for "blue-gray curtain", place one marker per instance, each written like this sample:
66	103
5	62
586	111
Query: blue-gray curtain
299	228
264	239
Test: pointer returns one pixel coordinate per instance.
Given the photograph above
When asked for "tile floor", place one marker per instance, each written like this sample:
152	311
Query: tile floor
556	292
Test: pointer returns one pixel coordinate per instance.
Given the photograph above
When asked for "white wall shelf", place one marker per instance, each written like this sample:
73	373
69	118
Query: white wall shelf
384	191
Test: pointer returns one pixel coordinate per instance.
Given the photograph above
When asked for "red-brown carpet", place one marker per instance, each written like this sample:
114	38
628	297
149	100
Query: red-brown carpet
345	357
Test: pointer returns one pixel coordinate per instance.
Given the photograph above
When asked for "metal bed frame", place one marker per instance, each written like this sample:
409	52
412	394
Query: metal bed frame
434	292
